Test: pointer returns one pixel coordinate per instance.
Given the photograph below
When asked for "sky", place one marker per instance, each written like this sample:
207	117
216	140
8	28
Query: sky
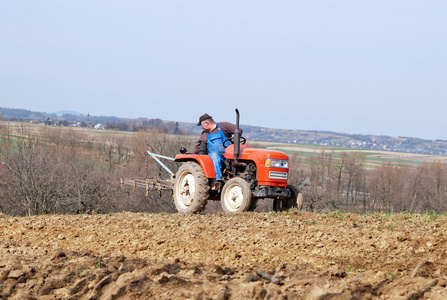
364	67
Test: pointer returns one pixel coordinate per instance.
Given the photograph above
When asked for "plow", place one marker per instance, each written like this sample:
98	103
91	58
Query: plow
152	183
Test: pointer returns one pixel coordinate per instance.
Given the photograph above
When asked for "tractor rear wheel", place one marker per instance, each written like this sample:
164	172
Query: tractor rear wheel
295	200
191	189
236	196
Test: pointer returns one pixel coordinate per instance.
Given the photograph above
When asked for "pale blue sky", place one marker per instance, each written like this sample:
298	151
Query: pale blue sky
368	67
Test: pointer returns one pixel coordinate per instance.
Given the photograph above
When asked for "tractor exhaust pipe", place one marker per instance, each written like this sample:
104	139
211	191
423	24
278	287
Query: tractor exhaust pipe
237	139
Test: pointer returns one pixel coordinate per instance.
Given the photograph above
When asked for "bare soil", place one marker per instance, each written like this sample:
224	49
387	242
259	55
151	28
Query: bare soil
294	255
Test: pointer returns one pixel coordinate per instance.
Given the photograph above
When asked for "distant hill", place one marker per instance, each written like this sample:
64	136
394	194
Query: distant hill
255	133
23	114
68	112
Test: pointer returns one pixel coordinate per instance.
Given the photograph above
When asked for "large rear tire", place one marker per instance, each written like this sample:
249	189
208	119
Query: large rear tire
294	201
191	189
236	196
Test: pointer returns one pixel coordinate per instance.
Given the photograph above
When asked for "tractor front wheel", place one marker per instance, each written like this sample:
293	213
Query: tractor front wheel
191	189
295	200
236	196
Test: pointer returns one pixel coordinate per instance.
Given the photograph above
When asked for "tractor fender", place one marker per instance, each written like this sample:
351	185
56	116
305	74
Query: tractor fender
204	160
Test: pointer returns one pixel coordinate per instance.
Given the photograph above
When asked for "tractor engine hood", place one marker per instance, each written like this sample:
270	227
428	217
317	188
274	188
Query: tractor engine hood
272	166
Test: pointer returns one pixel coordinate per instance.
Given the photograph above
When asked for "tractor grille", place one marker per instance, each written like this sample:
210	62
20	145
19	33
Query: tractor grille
278	175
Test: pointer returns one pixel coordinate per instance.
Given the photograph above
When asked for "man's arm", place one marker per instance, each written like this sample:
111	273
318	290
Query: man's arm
228	128
203	138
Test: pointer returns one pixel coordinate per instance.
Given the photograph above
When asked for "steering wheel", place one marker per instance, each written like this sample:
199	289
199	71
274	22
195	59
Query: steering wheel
231	140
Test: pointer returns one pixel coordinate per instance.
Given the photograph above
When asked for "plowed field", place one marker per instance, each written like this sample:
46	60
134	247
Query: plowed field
292	255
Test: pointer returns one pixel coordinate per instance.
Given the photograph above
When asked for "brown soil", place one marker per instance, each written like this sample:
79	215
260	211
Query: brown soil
291	255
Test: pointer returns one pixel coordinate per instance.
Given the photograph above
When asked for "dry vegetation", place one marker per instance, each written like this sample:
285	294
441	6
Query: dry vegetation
72	170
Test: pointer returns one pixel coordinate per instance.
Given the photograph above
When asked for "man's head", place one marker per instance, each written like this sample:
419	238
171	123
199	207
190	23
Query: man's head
207	122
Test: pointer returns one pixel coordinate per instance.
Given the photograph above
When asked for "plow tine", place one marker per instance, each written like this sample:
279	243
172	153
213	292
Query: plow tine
148	184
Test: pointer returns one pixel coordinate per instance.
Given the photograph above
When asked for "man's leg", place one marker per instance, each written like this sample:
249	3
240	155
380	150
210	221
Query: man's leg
217	159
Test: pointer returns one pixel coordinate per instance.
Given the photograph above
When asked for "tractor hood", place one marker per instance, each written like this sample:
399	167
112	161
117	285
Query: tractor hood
257	155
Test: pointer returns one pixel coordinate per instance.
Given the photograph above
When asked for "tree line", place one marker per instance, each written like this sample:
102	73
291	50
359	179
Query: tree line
67	170
56	170
331	181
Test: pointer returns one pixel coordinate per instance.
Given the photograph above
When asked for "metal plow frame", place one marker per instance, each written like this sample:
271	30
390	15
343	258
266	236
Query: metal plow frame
152	183
148	184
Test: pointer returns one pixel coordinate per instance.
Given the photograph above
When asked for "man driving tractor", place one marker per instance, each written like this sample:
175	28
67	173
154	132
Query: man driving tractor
249	173
211	141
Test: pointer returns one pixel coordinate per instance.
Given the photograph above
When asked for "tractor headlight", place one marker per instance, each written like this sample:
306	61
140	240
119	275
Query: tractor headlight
277	163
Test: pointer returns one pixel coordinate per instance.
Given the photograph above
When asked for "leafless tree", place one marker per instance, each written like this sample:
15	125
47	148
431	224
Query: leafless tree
386	187
34	177
73	138
355	178
107	148
122	148
52	135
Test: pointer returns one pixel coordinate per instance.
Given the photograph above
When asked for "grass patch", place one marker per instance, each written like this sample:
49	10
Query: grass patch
393	160
431	217
338	214
311	222
390	275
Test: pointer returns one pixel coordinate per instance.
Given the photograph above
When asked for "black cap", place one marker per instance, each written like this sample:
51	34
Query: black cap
203	118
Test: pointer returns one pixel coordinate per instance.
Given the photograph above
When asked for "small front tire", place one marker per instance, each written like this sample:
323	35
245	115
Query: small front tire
236	196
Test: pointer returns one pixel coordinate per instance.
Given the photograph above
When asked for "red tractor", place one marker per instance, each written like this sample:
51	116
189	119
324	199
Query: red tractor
249	174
